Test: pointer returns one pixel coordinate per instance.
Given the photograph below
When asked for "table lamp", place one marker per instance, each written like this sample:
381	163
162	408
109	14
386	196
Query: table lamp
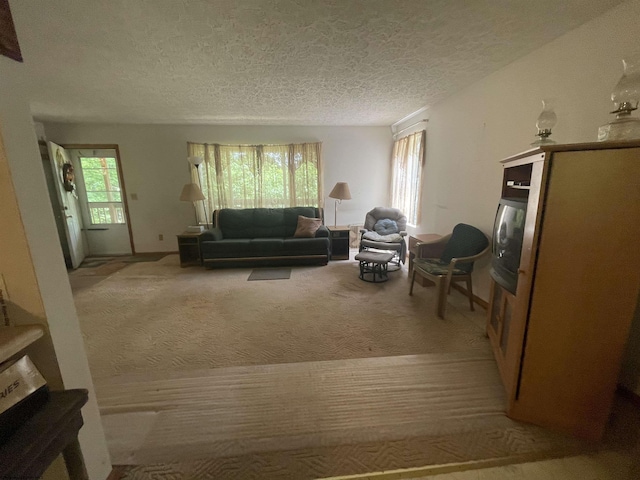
192	193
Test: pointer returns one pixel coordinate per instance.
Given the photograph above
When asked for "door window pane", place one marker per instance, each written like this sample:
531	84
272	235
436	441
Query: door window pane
102	184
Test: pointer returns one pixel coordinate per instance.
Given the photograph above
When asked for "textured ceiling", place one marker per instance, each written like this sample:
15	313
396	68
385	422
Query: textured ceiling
279	62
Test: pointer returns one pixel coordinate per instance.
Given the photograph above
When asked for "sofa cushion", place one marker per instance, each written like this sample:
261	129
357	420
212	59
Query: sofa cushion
261	222
306	246
228	248
251	223
265	247
323	231
307	227
435	266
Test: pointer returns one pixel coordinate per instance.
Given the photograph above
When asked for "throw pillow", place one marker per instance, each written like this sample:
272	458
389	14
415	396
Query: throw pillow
385	226
307	227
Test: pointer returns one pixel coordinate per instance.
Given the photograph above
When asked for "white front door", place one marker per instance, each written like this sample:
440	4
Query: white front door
63	174
102	201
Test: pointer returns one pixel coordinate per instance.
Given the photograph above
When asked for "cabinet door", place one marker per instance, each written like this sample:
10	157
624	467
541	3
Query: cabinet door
493	318
506	317
501	334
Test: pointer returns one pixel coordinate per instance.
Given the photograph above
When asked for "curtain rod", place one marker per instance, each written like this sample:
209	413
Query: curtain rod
412	125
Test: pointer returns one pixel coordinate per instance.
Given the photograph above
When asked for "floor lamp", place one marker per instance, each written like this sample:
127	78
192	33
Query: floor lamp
196	162
340	192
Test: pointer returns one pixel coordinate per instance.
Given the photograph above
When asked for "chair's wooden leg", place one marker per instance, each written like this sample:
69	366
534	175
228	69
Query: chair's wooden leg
413	279
470	293
442	296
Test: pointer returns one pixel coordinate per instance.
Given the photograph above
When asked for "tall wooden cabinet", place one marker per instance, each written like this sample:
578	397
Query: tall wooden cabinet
559	340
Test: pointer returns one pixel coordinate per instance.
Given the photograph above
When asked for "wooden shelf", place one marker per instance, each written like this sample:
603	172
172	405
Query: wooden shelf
517	181
15	339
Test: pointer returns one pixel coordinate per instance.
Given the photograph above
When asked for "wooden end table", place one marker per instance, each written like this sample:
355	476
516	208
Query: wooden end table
189	249
339	238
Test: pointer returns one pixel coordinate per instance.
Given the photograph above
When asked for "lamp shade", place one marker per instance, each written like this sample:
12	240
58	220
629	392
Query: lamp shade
191	193
341	191
195	161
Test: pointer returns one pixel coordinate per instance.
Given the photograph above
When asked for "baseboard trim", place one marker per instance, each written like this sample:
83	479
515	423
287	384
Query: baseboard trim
629	394
484	304
143	254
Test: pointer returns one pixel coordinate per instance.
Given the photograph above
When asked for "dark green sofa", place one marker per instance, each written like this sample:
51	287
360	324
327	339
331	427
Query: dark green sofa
263	237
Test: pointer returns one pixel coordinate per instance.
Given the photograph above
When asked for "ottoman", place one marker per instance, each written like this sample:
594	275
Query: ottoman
373	266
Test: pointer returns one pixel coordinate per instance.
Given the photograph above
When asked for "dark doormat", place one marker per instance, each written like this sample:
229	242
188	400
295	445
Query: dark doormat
92	263
143	257
270	274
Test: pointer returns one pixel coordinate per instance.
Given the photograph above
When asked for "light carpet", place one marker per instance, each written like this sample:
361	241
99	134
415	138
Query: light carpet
201	374
270	274
316	419
157	316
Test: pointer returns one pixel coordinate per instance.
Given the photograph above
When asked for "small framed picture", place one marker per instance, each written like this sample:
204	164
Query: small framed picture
9	46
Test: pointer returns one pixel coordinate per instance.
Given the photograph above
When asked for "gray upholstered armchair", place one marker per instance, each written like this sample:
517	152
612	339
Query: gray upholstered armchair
385	229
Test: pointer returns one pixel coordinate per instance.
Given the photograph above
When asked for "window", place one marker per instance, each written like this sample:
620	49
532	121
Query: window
250	176
407	163
102	184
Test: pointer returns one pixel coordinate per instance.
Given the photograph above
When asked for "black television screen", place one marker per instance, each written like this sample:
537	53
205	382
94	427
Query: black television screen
508	232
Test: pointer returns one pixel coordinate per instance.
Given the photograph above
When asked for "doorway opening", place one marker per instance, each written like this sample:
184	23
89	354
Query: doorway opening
89	201
102	198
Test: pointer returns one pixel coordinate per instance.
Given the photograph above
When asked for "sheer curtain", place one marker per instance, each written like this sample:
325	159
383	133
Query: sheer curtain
407	164
305	173
249	176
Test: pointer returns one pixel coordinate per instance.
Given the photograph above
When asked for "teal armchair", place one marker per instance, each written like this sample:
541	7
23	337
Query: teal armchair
450	259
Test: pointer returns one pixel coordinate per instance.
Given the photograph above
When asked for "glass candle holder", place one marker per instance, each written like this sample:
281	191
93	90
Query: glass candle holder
546	121
625	97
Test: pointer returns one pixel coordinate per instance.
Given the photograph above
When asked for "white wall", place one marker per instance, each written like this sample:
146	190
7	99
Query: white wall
23	158
470	132
494	118
155	167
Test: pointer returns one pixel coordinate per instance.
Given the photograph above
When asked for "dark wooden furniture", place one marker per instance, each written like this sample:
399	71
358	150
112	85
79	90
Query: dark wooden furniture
559	340
189	249
339	242
32	448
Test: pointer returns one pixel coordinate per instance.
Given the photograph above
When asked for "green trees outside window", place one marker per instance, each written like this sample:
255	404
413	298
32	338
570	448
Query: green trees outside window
102	184
252	176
